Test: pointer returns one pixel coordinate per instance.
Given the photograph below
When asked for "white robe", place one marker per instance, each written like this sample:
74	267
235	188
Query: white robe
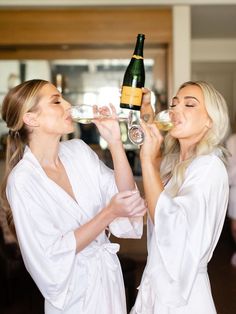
181	243
231	145
45	216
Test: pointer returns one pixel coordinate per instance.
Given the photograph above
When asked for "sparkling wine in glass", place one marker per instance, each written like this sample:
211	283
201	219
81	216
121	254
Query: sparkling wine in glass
163	121
86	113
83	113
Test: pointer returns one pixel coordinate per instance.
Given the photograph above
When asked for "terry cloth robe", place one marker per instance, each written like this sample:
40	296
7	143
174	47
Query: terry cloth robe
45	217
231	145
182	240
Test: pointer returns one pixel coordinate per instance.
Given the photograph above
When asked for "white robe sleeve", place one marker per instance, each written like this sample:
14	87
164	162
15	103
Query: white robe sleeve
186	229
121	227
49	254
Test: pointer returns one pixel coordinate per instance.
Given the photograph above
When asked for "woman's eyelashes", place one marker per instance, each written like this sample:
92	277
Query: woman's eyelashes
190	105
57	101
186	105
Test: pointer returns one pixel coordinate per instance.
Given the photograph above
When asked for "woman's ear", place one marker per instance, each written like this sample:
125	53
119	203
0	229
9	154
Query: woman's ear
209	123
30	119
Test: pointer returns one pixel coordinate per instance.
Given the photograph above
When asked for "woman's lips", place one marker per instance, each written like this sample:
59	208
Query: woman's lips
176	122
68	118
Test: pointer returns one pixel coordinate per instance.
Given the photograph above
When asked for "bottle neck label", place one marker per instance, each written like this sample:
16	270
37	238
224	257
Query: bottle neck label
137	57
131	96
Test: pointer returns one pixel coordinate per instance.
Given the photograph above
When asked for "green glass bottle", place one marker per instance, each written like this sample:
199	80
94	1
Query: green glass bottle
134	78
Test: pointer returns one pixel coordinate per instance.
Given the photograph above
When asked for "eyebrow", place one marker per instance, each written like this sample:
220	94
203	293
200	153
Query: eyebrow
186	97
55	95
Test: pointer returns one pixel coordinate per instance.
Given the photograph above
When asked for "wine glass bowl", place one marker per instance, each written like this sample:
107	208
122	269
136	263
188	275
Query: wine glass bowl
163	120
86	113
82	113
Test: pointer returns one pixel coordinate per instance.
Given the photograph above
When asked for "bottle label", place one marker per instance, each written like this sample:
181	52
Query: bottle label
137	57
131	96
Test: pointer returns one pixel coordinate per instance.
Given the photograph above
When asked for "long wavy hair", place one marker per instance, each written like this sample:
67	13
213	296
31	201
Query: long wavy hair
212	140
19	100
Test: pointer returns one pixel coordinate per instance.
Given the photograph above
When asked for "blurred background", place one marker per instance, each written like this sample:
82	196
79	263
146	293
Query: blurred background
84	47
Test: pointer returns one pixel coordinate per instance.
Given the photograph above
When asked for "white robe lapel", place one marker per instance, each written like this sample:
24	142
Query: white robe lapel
57	193
87	195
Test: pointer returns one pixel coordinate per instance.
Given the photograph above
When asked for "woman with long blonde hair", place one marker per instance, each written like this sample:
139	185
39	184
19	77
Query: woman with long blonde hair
186	188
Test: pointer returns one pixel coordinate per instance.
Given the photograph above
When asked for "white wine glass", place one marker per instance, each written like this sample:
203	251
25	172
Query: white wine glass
163	121
85	114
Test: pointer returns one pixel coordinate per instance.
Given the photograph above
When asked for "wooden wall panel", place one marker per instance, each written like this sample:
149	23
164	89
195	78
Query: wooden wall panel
49	53
36	30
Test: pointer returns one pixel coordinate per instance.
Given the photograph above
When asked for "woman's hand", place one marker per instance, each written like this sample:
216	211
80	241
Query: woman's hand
108	127
127	204
147	113
151	148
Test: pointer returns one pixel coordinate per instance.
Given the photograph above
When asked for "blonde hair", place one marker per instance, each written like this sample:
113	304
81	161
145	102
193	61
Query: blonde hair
19	100
213	140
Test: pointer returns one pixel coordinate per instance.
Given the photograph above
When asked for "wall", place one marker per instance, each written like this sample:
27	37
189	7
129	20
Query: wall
214	60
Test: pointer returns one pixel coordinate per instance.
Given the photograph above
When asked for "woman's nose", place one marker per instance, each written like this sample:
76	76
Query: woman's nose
175	113
67	105
177	108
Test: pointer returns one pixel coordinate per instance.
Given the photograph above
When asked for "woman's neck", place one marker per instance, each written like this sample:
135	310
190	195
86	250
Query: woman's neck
186	151
46	151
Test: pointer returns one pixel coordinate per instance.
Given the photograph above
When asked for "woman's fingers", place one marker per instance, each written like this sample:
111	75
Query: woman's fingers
136	205
151	129
146	129
105	111
113	109
147	112
138	210
128	204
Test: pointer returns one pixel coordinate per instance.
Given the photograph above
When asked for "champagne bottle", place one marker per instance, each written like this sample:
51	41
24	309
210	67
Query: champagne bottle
134	78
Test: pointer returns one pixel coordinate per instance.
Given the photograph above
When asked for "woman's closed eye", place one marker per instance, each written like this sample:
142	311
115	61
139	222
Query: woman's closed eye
57	100
187	104
190	104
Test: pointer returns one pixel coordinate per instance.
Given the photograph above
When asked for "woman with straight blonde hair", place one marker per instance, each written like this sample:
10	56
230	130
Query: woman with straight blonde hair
186	188
60	199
